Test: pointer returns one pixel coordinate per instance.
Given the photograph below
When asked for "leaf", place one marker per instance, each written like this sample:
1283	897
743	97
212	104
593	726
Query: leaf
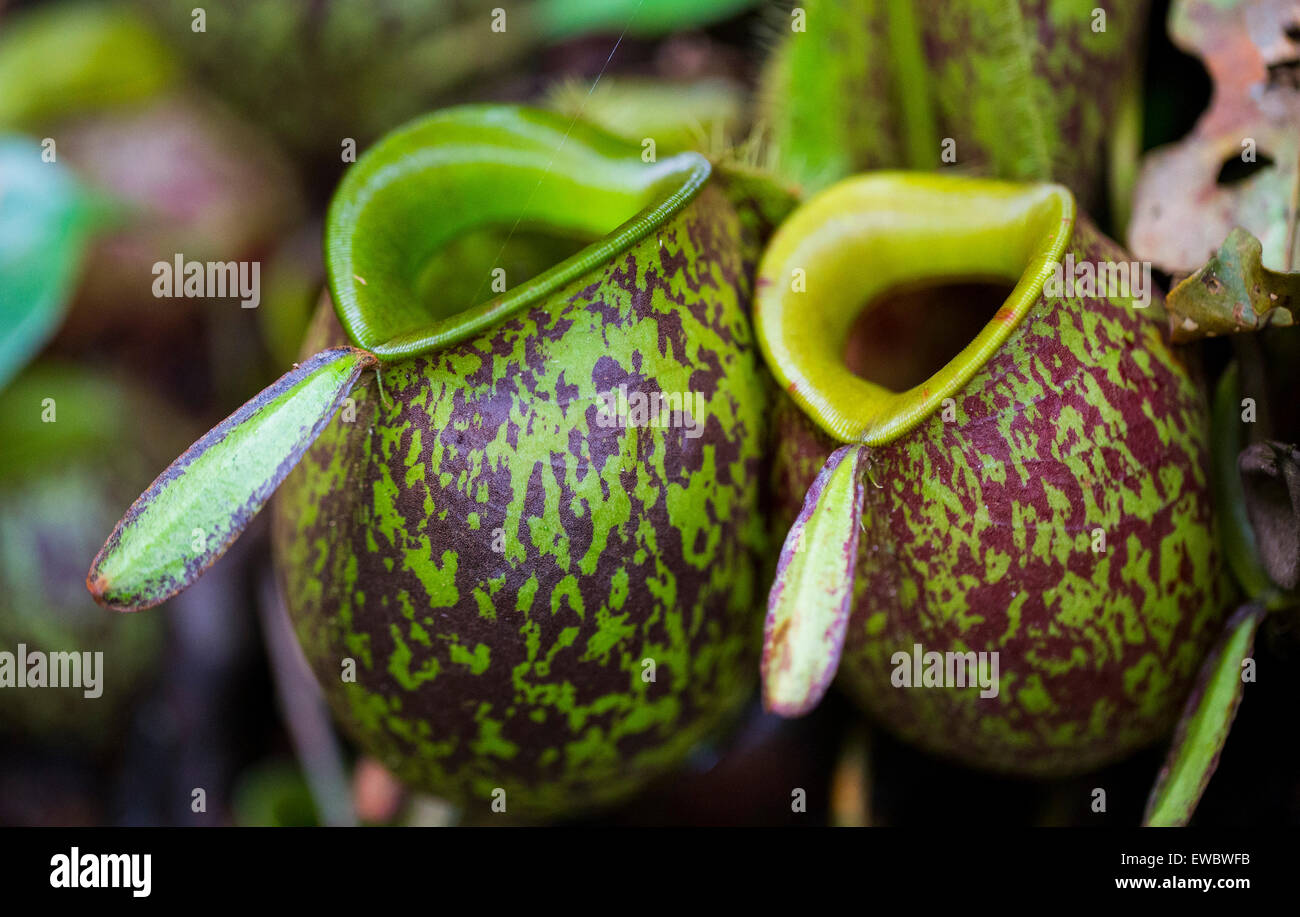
1270	479
562	19
93	412
1204	726
1236	536
1182	211
196	509
701	115
1232	292
808	607
78	57
46	224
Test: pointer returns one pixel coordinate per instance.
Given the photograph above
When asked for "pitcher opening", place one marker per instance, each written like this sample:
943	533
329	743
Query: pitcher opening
875	233
502	169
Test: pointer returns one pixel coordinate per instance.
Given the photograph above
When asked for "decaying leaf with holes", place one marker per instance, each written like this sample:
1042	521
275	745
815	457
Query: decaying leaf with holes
1183	209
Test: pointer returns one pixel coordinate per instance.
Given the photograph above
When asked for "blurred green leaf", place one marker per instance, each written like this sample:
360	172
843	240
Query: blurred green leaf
274	794
703	115
72	57
88	413
46	223
561	19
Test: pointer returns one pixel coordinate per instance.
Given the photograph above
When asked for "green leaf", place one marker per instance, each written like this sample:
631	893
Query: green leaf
91	411
812	595
77	57
1231	293
703	115
562	19
196	508
1204	726
46	223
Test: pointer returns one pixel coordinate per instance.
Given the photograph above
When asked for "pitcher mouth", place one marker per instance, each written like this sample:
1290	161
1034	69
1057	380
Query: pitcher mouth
866	235
479	166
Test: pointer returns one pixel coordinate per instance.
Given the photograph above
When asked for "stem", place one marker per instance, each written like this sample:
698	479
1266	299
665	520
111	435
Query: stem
304	712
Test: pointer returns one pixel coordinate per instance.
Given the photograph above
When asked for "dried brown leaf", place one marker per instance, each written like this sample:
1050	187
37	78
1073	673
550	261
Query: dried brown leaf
1182	212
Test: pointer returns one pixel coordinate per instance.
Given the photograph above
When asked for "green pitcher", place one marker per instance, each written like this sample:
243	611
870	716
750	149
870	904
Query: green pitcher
525	556
1013	562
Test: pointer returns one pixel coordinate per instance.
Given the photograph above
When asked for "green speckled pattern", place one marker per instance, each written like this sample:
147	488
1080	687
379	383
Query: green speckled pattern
523	668
1026	89
979	537
1043	108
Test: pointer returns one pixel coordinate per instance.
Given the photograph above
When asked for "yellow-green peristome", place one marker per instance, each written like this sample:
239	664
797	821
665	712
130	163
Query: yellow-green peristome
1037	513
884	230
465	168
503	576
